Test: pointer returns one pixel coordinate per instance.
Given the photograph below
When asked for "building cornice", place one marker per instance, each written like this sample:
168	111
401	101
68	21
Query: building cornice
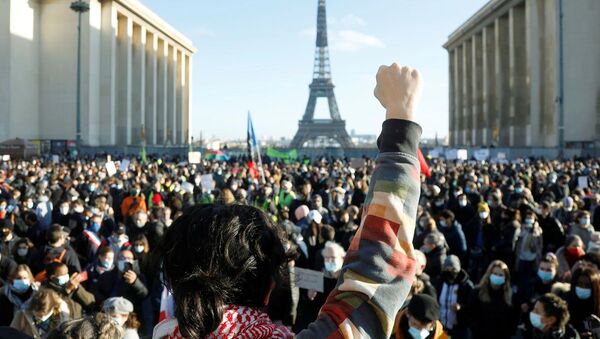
152	19
483	17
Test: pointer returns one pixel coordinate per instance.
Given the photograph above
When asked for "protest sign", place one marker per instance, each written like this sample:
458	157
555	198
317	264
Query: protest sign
308	279
111	169
55	159
207	182
357	163
462	154
582	182
481	154
194	157
124	167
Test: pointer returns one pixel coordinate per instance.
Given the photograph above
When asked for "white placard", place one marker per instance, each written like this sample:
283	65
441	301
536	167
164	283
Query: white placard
55	159
187	187
124	167
434	154
462	154
308	279
194	157
6	157
481	154
207	182
111	169
501	156
357	163
582	182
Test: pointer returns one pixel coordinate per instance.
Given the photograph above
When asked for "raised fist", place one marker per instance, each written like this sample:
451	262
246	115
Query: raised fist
398	90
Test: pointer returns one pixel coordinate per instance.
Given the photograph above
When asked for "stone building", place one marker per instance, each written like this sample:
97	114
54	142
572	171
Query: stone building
516	68
135	74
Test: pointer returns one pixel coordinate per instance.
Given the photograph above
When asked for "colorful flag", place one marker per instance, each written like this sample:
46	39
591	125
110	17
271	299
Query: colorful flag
424	167
217	155
254	152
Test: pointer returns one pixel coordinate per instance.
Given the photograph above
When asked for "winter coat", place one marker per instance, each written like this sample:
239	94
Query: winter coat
36	262
76	301
465	287
494	319
435	260
401	327
455	237
11	302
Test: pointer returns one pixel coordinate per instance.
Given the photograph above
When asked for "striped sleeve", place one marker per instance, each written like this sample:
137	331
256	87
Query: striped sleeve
379	267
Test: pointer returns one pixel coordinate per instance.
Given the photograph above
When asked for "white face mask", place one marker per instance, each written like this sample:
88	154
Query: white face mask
483	215
78	209
418	334
333	266
64	210
120	321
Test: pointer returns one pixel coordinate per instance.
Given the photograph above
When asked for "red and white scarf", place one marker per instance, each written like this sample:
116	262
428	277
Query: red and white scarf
238	322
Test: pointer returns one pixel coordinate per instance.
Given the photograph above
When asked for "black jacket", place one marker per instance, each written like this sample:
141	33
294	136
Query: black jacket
465	288
38	259
435	260
6	266
494	319
112	284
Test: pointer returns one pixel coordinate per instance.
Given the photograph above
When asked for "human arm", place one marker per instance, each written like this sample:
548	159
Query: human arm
379	267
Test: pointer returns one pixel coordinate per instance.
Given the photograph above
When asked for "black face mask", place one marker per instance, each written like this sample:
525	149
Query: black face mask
449	276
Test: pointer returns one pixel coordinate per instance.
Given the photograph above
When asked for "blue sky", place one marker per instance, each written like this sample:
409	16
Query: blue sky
258	56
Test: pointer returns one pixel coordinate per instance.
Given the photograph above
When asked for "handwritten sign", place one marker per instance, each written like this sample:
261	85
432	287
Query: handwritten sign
582	182
207	182
308	279
462	154
124	165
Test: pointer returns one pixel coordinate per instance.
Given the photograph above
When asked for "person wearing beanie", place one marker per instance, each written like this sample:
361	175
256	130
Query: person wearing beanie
480	233
454	288
419	320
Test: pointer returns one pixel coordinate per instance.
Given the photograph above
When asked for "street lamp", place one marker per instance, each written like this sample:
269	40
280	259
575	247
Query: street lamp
80	7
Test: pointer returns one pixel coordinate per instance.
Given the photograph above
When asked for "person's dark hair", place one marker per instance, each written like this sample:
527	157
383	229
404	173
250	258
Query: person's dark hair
99	326
54	234
215	255
592	258
447	214
52	267
594	276
556	307
104	250
328	233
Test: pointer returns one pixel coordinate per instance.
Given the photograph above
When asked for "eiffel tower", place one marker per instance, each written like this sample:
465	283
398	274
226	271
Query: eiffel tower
321	87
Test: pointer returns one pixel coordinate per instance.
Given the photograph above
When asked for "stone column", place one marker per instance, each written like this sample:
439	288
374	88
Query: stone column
477	82
458	85
151	88
502	80
452	102
179	97
490	113
138	90
183	98
467	92
161	95
108	63
188	97
171	94
124	82
519	98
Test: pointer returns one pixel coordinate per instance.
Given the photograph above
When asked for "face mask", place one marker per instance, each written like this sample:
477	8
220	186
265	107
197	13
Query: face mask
22	252
119	321
528	222
483	215
140	223
30	204
139	249
545	276
462	203
457	193
95	227
468	190
121	242
490	202
20	285
536	320
497	280
583	293
418	334
78	209
47	316
518	190
62	280
426	249
443	223
332	266
585	221
2	208
106	263
449	276
439	203
64	210
422	223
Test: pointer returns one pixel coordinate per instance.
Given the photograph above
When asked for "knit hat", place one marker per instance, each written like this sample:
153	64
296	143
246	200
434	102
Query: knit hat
301	212
315	216
424	308
452	262
483	207
5	223
117	305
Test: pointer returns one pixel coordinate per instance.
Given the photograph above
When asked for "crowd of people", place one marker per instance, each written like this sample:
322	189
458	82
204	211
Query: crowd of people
504	248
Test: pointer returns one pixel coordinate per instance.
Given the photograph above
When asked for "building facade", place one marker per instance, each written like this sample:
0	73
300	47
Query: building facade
523	71
135	74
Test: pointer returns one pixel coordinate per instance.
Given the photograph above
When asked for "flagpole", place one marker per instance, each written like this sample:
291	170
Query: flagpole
255	147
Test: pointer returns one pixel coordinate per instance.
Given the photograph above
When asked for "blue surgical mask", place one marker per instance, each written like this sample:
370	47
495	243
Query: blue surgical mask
536	320
545	276
106	263
583	293
332	266
519	190
497	280
418	334
139	249
62	280
21	285
95	227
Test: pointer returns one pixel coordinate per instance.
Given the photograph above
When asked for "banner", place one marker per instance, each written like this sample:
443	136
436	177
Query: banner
290	155
254	152
481	154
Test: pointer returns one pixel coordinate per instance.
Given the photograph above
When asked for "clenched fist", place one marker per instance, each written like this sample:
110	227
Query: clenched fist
398	90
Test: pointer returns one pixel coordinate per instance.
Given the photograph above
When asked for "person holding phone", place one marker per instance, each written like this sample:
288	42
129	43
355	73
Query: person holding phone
69	288
125	281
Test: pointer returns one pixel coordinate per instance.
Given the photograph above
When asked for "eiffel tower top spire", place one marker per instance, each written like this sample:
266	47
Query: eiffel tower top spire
322	68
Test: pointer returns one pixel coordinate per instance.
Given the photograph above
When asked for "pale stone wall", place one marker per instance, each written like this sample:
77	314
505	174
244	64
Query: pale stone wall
135	74
505	90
